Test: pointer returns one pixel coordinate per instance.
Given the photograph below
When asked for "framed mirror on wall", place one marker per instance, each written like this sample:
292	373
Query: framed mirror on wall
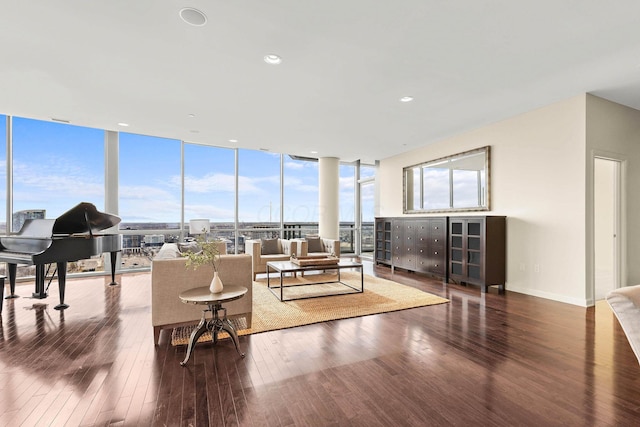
455	183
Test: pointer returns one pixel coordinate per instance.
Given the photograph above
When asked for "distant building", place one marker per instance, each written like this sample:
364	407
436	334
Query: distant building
131	241
154	240
21	216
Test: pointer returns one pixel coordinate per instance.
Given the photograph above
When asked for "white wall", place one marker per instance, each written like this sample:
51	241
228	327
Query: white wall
613	131
538	181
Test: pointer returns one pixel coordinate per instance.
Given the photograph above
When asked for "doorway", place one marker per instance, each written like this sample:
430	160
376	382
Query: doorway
607	224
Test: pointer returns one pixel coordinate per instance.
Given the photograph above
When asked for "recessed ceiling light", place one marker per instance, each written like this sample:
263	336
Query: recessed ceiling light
194	131
191	115
193	16
314	152
233	140
406	99
272	59
123	124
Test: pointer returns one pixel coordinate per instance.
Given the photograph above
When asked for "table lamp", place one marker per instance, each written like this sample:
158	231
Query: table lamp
199	226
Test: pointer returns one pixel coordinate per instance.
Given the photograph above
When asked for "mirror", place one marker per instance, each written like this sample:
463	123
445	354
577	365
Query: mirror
454	183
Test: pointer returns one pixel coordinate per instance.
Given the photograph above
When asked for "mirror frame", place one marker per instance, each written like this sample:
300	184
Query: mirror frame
410	170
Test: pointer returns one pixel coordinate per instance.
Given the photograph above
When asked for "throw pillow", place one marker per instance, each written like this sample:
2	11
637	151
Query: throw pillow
314	244
189	247
269	247
168	251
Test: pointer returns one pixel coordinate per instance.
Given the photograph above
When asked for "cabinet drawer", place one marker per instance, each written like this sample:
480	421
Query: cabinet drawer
437	268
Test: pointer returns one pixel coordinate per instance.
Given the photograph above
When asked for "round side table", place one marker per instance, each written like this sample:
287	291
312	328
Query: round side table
216	324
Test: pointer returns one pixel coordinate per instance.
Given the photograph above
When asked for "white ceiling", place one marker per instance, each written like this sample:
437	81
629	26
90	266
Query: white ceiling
345	65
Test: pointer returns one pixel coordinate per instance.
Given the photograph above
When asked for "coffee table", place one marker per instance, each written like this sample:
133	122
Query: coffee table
284	267
216	323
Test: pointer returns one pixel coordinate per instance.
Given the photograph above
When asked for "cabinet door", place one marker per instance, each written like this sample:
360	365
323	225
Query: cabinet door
383	241
457	249
475	255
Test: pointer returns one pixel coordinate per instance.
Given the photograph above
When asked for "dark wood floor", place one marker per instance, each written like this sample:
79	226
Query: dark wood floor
503	360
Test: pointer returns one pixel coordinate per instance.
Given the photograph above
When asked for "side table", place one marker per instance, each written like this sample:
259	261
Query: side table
216	323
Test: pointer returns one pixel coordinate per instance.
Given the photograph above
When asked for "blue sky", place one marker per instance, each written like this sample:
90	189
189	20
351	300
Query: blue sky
57	166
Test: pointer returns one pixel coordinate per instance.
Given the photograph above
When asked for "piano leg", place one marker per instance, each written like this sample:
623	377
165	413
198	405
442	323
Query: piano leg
114	259
40	292
12	281
62	282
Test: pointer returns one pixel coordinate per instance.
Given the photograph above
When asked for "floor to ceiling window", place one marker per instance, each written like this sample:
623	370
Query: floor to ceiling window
367	208
301	195
347	208
210	188
150	196
259	196
55	167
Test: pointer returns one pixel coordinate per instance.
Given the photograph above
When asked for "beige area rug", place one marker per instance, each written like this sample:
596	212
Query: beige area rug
269	313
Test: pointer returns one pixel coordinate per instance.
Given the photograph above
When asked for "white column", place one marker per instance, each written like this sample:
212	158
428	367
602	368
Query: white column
329	198
111	178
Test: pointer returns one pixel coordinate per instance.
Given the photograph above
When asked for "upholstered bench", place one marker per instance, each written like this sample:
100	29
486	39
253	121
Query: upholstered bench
170	276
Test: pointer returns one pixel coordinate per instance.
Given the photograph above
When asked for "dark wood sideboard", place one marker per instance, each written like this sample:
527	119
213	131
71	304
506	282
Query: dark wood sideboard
464	249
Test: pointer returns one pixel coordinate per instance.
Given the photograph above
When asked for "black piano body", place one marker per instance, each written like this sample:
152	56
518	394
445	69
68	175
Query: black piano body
70	237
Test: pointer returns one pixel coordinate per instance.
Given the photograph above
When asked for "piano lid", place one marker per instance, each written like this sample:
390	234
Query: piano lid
83	218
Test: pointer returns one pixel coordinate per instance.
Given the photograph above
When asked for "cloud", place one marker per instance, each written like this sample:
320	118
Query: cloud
217	182
346	183
57	185
293	165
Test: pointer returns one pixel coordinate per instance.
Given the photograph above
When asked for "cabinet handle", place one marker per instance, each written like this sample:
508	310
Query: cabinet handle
435	240
435	253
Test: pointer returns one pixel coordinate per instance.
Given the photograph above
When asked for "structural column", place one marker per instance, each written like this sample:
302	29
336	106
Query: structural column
111	178
329	189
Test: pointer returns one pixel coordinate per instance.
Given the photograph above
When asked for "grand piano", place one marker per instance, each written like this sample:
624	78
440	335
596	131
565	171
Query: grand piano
72	236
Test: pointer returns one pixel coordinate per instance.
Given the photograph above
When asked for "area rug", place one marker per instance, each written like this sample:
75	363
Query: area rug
269	313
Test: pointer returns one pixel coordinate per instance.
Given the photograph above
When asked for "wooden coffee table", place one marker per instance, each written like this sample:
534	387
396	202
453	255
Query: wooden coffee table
284	267
216	323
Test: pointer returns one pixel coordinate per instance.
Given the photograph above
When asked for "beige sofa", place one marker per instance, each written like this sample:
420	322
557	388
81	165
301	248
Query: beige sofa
284	251
170	276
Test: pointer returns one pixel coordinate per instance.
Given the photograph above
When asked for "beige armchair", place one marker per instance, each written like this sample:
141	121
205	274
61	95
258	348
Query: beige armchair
278	250
311	246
